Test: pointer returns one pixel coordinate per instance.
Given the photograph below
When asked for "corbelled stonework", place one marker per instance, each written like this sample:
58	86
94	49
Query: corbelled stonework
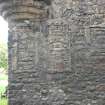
56	51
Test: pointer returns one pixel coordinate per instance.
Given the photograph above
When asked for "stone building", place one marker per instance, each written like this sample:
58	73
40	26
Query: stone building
56	51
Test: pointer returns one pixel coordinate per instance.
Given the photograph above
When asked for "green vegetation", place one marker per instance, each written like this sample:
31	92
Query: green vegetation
3	85
3	56
3	101
3	77
3	73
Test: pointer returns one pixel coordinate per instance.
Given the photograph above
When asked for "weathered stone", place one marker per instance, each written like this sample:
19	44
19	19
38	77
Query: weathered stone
56	51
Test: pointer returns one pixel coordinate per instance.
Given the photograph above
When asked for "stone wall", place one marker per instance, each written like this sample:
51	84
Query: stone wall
56	52
83	83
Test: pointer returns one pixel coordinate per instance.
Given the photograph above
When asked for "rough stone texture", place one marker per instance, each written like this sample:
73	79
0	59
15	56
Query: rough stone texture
56	51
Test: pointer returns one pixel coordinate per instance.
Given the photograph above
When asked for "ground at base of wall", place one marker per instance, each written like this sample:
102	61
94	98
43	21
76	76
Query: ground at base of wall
3	101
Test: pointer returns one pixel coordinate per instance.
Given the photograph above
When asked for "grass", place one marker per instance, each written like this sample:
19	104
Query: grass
3	101
3	84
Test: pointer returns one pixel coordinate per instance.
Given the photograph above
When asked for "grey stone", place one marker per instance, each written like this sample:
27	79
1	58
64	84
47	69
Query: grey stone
56	51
